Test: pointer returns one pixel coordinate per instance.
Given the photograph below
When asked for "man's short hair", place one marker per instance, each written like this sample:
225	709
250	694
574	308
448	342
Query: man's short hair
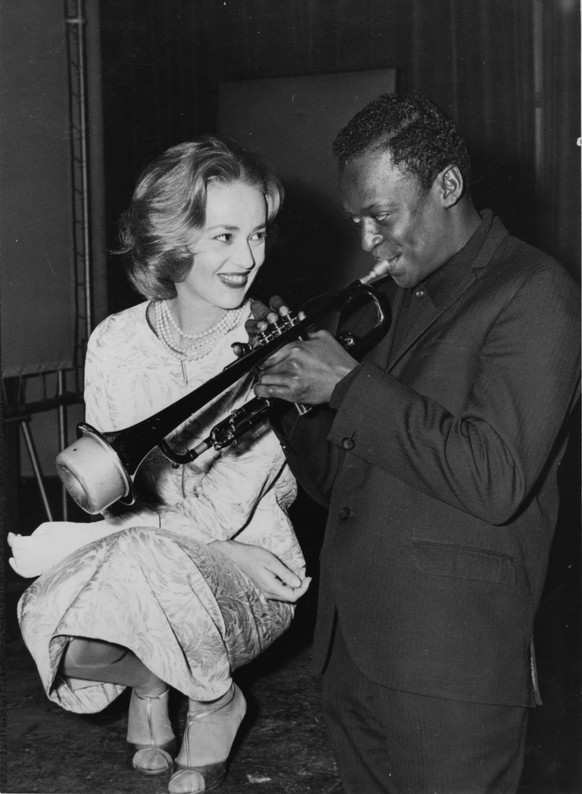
421	138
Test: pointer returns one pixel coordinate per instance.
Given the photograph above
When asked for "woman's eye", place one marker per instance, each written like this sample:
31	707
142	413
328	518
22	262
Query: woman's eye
225	237
259	237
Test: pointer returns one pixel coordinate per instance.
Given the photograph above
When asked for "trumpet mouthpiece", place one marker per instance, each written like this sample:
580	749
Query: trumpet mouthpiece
380	269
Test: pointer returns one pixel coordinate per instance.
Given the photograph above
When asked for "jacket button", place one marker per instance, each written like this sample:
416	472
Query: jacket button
348	443
344	513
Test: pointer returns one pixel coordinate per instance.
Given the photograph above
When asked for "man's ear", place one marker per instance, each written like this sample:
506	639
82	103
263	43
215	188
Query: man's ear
450	184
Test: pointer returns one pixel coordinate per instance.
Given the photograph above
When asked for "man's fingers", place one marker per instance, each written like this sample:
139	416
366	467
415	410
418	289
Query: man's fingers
276	357
259	310
279	306
271	313
262	317
240	348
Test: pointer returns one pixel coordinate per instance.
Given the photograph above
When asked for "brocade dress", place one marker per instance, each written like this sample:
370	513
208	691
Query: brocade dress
186	610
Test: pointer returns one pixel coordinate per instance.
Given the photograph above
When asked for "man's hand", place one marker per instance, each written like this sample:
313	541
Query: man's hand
270	575
305	371
301	371
262	316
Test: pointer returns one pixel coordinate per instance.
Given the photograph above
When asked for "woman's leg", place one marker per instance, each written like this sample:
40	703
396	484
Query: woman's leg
210	731
148	727
189	613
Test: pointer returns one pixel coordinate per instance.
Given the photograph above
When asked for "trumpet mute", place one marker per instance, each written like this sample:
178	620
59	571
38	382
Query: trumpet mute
92	473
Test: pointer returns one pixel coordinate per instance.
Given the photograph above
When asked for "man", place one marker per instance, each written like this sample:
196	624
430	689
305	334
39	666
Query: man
437	456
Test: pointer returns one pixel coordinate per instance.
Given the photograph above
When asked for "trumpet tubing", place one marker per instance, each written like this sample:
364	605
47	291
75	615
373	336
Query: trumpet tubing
98	469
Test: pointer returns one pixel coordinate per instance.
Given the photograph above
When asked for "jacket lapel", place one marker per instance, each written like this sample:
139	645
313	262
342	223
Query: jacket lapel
496	235
382	352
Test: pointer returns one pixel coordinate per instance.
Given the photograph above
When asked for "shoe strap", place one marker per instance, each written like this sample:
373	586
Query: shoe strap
201	714
151	697
148	704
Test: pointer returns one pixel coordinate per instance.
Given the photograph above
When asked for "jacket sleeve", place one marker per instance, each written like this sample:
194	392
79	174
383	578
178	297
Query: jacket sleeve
485	459
313	461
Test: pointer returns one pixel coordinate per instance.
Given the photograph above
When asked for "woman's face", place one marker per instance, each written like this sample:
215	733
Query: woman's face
230	248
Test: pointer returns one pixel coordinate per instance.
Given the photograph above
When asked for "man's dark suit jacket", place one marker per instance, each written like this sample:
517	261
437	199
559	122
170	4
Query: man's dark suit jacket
438	462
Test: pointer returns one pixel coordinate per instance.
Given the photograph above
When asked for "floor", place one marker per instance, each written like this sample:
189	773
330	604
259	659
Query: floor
282	747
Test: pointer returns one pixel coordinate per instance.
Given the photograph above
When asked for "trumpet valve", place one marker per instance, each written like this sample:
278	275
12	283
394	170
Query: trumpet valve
277	328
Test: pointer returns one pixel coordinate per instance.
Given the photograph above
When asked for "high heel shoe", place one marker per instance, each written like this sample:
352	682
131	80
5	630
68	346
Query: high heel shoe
208	733
153	758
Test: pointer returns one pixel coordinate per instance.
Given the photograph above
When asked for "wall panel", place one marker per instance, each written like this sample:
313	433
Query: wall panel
36	275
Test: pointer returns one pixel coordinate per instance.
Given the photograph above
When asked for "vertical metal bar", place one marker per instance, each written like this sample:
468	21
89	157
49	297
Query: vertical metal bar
75	22
62	414
538	74
35	465
83	133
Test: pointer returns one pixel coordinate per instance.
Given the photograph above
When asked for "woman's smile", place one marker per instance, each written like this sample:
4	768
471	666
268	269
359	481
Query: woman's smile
234	280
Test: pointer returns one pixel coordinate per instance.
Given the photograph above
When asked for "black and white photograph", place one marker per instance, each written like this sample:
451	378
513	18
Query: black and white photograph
290	328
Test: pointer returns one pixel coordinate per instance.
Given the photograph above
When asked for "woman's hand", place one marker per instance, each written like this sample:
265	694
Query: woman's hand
268	573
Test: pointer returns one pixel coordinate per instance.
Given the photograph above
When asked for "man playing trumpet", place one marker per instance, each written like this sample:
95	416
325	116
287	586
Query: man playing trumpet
437	457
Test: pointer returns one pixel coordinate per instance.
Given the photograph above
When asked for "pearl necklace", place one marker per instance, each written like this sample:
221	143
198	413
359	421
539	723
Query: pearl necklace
203	343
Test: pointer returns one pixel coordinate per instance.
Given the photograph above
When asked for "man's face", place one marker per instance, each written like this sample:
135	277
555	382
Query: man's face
400	222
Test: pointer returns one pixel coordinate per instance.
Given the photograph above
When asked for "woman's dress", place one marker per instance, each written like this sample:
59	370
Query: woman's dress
186	610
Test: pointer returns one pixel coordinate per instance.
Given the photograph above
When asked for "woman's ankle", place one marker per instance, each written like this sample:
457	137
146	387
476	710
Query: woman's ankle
211	729
152	687
198	708
148	721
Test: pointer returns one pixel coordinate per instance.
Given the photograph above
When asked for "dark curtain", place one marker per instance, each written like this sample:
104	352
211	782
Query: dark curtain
163	61
558	190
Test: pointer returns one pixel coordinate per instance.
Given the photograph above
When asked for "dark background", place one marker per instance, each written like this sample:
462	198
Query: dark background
508	71
500	67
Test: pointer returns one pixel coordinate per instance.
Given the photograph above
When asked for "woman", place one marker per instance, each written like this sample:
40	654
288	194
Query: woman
202	575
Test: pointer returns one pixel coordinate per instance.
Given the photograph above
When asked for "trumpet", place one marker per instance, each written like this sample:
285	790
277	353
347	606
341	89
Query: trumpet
98	469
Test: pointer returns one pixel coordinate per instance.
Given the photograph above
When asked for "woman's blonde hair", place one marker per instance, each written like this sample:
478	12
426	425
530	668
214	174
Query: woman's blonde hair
169	202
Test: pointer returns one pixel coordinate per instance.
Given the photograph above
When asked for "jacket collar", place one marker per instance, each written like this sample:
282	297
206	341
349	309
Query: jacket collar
448	291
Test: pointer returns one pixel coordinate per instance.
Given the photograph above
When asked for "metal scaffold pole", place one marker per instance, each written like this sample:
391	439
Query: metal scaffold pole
76	22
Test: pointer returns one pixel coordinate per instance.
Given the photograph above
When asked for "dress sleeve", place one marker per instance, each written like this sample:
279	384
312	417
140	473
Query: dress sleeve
98	367
99	395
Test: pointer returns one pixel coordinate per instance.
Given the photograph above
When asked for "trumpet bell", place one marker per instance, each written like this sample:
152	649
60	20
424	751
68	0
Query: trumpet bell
92	472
